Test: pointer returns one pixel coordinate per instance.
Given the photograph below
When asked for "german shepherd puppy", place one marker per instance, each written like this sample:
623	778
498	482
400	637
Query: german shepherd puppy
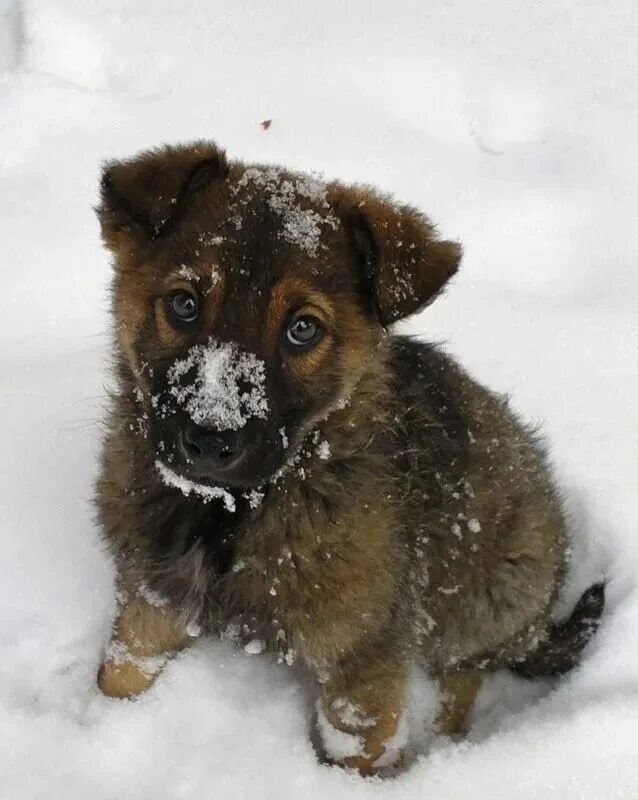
280	467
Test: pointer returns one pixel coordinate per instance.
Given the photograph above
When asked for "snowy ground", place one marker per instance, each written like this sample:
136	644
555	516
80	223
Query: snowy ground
514	125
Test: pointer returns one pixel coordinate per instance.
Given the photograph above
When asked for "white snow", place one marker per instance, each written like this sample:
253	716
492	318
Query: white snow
193	629
188	273
151	597
11	42
323	450
255	647
300	226
337	744
395	744
284	438
228	387
351	714
186	487
514	126
254	498
118	653
474	526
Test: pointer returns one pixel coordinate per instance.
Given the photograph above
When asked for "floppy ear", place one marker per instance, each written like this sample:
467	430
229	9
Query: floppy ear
404	266
142	199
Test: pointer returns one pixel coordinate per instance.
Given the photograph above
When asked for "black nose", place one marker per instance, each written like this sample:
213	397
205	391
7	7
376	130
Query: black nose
210	449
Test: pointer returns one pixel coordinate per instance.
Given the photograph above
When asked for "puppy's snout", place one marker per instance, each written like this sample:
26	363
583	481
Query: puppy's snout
211	450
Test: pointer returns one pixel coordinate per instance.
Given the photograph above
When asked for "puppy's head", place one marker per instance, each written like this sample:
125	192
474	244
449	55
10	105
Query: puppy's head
249	300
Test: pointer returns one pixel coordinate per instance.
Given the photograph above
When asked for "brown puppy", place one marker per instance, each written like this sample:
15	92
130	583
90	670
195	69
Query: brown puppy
279	466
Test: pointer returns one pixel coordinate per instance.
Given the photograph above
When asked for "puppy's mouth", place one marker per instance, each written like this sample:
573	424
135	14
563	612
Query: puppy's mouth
204	490
191	456
235	477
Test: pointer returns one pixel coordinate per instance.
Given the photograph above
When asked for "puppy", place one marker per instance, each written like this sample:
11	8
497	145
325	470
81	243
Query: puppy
280	467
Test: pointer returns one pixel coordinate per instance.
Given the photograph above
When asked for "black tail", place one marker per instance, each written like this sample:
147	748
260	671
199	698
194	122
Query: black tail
565	642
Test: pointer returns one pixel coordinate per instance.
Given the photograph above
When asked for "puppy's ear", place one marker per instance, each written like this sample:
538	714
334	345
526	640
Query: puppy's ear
142	199
404	265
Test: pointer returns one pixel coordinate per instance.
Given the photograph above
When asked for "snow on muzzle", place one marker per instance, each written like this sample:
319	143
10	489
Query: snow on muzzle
220	386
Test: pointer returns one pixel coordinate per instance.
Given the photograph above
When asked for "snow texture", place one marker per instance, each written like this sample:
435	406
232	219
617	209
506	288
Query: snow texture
514	125
188	273
186	487
337	744
227	389
255	647
300	226
118	653
151	597
395	745
10	34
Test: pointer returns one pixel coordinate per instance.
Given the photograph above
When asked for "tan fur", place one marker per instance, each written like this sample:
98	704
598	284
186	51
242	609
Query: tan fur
459	690
141	632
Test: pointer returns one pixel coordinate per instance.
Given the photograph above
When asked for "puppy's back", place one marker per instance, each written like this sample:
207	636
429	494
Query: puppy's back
481	514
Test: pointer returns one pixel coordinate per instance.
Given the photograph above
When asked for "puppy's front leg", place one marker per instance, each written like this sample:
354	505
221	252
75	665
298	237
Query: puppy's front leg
459	690
360	715
144	637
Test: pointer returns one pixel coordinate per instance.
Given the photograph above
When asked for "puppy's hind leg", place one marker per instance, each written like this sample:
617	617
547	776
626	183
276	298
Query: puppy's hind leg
144	637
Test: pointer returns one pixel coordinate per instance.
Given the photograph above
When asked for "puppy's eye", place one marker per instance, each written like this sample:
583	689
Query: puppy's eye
304	332
184	306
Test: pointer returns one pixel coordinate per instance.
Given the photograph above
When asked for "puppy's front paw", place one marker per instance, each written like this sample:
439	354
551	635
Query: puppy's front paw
381	767
145	636
123	680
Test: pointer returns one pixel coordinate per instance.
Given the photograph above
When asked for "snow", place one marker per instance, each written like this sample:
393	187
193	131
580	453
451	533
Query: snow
323	450
187	487
188	273
351	714
514	127
254	498
255	647
300	226
228	387
284	438
10	34
395	745
336	743
474	526
118	653
151	597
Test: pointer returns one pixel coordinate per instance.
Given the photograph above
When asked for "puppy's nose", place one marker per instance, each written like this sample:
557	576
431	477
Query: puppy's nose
209	448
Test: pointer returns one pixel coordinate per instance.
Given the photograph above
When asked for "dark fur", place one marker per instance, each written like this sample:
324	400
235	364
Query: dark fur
432	532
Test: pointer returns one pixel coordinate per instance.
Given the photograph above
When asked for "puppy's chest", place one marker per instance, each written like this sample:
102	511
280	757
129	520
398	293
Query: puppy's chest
295	573
282	570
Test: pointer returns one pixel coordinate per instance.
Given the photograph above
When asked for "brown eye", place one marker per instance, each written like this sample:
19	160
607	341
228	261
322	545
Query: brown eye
304	332
184	306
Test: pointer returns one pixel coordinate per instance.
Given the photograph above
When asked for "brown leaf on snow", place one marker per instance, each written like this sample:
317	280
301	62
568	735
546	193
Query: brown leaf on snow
266	124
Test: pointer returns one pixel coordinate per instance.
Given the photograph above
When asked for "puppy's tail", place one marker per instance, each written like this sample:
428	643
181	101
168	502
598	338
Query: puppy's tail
565	642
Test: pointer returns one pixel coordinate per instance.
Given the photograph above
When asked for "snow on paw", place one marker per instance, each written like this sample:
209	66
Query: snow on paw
124	674
368	745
